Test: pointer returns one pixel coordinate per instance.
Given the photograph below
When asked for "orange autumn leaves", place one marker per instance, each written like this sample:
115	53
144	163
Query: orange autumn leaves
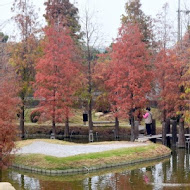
134	75
58	76
127	70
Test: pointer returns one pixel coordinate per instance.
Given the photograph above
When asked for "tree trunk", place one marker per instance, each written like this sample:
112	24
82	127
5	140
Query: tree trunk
132	128
164	115
168	132
136	130
181	138
90	123
53	125
174	161
167	126
174	133
22	180
22	122
116	128
53	115
181	162
164	142
67	127
154	129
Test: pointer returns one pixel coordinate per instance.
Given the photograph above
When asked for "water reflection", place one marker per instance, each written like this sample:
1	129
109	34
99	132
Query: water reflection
172	173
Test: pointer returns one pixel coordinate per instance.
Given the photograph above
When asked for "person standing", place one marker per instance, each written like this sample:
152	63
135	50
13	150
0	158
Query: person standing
148	121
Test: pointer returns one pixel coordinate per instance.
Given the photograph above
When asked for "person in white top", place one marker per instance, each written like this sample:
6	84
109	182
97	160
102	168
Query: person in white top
148	121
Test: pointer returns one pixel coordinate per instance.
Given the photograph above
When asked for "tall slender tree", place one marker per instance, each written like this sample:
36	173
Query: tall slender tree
183	57
164	30
24	53
57	77
90	38
163	62
130	75
62	15
8	103
103	71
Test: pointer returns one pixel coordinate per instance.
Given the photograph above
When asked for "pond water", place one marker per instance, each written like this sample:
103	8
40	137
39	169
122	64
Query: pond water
171	173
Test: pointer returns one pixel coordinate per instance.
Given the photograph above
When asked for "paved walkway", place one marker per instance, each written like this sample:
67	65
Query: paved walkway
40	147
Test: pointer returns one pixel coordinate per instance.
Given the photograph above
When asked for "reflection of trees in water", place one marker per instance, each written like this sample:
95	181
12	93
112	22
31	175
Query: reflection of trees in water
180	167
20	181
158	174
64	185
173	171
119	181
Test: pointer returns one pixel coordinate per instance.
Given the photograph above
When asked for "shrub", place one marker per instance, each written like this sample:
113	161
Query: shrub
34	116
102	104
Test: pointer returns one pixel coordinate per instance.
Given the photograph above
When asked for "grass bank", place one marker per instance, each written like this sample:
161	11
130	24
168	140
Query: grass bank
92	159
80	176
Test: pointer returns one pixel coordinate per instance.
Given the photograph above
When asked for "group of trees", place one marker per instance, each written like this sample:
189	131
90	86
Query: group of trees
143	65
61	66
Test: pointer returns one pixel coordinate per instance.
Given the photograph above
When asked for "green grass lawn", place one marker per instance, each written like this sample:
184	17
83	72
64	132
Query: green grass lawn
76	124
77	118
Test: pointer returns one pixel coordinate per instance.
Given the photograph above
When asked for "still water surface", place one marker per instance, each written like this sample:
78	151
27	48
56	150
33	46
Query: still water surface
172	173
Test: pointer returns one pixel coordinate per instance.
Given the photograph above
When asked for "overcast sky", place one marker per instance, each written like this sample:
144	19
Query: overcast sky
107	12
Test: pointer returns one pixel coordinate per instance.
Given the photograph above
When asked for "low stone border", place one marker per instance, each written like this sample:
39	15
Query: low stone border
85	169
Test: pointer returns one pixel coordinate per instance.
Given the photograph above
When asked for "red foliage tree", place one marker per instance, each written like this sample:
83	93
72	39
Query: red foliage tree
8	104
168	83
129	74
171	67
57	77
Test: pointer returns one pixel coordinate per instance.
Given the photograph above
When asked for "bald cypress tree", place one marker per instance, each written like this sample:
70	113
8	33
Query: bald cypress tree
64	12
24	53
134	14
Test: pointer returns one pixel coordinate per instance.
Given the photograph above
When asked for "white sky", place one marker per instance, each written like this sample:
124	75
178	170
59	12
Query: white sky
107	12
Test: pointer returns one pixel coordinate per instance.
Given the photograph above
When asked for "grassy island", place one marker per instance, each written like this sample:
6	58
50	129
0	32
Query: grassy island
99	159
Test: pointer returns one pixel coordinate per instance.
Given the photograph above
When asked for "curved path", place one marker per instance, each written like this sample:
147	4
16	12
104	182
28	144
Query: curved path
40	147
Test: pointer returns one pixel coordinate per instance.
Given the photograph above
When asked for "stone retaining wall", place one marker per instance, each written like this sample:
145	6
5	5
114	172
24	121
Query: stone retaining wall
85	169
